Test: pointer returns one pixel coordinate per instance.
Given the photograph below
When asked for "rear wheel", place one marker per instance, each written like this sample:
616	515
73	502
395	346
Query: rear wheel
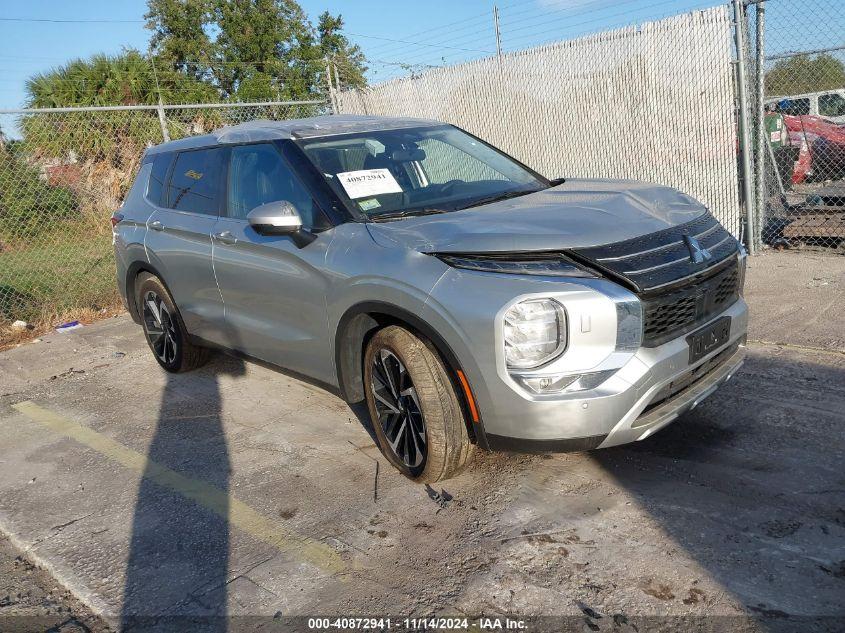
163	327
415	411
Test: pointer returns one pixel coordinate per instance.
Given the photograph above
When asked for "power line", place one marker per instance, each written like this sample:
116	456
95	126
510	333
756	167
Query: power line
609	25
388	39
57	21
449	25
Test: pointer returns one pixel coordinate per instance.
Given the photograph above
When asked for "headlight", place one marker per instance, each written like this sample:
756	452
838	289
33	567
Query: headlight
534	333
515	264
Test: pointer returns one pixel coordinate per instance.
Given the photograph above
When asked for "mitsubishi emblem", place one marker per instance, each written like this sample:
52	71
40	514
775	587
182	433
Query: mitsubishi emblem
697	253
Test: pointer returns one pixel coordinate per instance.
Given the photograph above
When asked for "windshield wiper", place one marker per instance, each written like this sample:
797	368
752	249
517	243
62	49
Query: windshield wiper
500	196
395	215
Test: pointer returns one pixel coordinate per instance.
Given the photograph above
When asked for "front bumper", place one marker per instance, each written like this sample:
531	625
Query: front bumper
655	387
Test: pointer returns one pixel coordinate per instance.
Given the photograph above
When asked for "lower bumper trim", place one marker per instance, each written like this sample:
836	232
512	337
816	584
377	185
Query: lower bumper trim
523	445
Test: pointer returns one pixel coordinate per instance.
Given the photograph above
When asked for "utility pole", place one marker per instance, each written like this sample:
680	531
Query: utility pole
498	33
331	88
336	87
162	119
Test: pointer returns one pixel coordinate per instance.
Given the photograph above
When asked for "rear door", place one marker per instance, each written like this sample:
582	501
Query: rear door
274	292
178	237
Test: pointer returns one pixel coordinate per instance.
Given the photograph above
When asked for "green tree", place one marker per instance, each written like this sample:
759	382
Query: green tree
335	46
103	80
260	43
261	49
179	35
803	73
113	139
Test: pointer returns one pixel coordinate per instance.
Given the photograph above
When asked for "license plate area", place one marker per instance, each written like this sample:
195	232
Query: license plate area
709	338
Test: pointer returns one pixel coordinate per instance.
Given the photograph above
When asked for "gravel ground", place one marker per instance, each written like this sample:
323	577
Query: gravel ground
238	495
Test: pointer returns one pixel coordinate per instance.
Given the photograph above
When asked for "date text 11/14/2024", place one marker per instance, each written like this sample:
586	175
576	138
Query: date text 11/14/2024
416	624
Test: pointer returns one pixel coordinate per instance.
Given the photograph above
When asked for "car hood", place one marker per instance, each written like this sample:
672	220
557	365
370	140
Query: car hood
578	213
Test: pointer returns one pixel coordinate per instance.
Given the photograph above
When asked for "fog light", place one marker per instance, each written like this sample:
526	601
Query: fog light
563	383
547	384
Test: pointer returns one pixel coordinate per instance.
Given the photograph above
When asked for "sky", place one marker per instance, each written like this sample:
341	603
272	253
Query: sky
393	34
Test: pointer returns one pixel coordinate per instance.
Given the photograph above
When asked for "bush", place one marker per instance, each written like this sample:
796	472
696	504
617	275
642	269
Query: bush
28	204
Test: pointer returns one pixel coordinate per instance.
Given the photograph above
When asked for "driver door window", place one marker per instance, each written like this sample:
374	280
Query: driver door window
257	175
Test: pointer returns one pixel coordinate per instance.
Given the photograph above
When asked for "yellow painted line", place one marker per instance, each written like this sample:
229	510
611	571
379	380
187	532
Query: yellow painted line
210	497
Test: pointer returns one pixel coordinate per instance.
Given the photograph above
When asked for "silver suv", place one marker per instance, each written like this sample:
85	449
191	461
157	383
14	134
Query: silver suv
469	300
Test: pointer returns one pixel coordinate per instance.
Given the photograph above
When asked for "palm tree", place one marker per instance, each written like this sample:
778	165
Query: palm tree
126	79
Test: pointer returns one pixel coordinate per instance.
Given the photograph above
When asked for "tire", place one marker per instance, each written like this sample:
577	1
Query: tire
164	328
429	410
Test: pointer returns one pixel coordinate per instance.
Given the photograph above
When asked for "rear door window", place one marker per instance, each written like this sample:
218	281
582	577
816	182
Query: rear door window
195	184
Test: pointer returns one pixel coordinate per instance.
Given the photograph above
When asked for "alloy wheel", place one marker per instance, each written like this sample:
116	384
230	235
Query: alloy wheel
160	328
398	409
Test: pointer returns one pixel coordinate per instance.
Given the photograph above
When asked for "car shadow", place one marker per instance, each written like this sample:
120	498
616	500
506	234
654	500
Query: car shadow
362	413
179	551
750	485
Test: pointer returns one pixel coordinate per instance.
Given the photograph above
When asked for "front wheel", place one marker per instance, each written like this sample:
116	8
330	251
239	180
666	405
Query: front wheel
415	411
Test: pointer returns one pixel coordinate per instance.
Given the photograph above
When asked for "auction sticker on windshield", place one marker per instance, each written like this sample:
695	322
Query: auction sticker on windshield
368	182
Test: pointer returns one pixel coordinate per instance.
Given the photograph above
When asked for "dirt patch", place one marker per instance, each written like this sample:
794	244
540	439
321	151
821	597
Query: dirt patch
30	599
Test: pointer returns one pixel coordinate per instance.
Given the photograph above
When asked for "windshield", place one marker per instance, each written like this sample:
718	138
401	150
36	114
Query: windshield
417	170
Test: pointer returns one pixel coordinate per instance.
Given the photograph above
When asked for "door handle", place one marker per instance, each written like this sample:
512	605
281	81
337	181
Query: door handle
226	237
156	226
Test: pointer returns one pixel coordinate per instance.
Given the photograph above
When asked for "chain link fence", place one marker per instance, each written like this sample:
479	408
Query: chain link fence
652	101
799	104
662	101
63	173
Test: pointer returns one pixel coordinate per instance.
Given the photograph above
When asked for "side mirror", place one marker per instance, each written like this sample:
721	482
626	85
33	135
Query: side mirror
275	218
556	181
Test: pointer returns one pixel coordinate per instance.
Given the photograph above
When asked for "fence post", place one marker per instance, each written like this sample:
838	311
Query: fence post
165	135
760	58
745	140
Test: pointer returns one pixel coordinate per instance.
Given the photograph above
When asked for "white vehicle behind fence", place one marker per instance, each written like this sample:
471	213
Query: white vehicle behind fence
829	104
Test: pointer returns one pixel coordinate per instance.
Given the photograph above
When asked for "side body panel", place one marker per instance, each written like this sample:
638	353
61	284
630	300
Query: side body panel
179	244
128	236
274	297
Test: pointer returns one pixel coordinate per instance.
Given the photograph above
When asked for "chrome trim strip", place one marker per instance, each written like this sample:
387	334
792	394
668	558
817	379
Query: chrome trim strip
695	274
674	261
657	249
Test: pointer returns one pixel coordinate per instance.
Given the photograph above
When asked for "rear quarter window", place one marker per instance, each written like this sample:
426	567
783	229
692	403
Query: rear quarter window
158	175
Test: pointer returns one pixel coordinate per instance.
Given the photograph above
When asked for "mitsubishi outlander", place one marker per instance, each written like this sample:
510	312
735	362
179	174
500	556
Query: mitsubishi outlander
470	301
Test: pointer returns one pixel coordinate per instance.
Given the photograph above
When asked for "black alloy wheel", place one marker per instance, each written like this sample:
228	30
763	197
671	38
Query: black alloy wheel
161	329
398	408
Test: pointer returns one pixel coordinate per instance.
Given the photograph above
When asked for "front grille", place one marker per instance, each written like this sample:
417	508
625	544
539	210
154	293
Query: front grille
677	294
669	315
661	259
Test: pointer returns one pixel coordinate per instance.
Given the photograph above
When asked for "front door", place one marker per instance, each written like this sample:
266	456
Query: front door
178	238
274	292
